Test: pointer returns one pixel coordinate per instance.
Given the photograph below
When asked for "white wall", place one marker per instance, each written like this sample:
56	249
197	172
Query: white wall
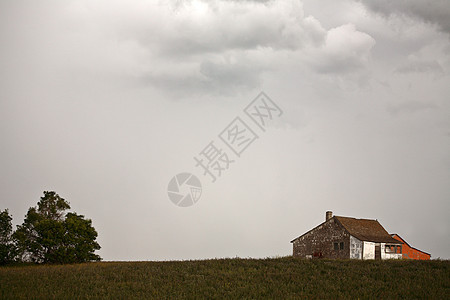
368	250
355	248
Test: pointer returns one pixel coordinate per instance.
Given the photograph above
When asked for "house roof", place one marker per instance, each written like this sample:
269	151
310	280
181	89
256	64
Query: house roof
393	234
366	230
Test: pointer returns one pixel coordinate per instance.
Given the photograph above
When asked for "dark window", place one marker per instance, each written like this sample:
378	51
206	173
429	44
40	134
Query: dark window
393	249
336	246
341	245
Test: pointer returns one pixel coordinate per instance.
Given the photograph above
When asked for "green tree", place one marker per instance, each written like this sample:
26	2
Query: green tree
7	247
79	240
50	235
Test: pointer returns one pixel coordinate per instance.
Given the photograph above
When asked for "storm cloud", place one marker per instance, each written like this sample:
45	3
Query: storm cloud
105	101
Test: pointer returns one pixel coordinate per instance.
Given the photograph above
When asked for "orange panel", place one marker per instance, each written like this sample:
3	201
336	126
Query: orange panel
411	253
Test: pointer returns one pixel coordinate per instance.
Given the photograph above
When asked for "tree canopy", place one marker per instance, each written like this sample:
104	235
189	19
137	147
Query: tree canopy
7	248
50	234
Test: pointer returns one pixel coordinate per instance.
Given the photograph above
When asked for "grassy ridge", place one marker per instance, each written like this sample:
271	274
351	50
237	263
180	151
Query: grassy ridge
281	278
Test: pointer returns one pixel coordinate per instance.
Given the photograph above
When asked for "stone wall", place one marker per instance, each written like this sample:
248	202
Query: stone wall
319	242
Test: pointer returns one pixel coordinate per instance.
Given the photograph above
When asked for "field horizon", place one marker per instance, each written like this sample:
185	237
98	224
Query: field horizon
283	277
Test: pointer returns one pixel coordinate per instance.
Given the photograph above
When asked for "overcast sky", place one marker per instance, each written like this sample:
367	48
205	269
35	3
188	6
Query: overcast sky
105	101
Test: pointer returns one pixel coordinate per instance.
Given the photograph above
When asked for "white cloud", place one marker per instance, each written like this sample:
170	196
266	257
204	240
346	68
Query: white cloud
345	50
201	46
194	47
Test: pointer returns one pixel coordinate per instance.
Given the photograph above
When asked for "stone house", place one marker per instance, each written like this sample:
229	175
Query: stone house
344	238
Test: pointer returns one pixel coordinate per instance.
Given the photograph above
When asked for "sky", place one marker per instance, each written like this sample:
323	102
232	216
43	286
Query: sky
105	102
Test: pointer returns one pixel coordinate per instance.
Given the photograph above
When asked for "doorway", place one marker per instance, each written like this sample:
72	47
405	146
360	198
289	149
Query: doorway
377	251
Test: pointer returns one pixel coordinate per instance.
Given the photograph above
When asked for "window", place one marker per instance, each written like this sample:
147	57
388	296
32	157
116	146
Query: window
393	249
389	249
338	246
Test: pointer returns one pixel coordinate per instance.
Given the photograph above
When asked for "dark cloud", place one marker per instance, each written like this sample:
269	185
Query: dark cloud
87	108
410	107
421	66
211	77
206	46
435	12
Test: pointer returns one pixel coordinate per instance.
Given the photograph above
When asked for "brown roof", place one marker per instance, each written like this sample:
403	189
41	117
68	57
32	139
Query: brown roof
366	230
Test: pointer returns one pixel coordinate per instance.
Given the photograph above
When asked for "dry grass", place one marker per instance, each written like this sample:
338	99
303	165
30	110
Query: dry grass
277	278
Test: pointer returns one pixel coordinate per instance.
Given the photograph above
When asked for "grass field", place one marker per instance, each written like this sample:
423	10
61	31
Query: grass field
275	278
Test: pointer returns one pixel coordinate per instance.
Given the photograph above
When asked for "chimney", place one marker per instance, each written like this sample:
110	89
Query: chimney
328	215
